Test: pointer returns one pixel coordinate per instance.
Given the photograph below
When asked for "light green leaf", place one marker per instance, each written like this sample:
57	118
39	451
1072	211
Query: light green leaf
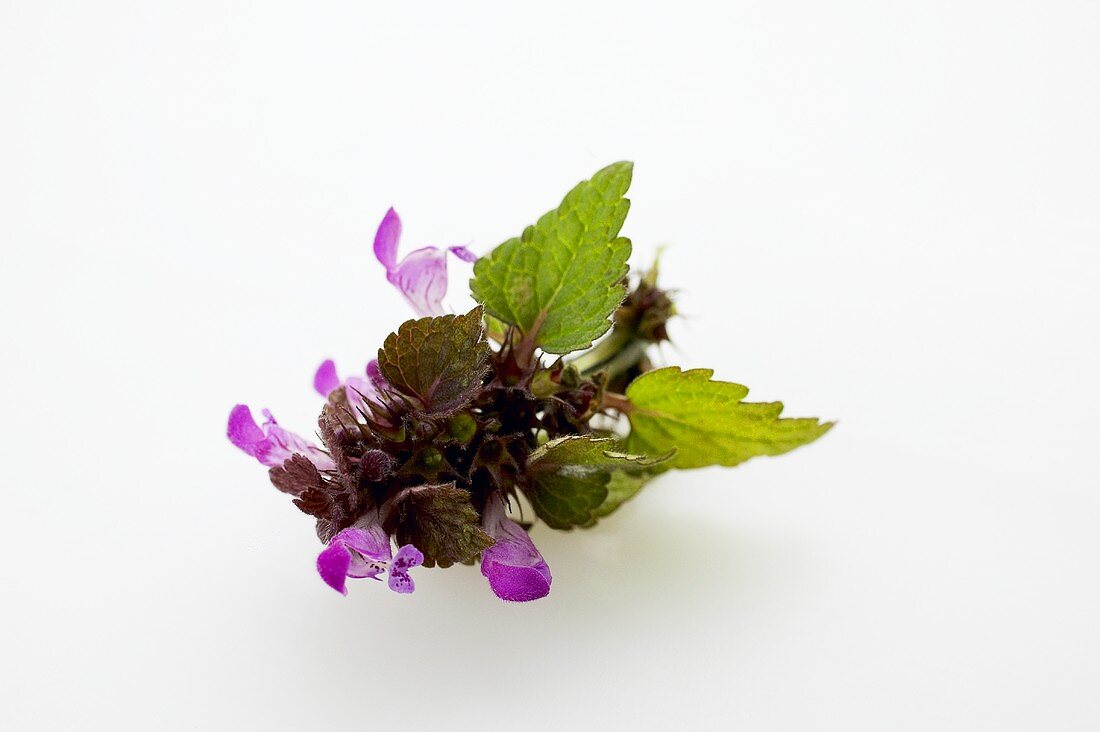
495	329
706	421
568	478
561	280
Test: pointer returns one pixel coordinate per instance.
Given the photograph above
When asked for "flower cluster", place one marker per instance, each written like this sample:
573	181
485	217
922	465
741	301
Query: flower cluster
436	446
362	549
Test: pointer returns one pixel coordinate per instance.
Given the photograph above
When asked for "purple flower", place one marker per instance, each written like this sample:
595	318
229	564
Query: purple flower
422	275
515	569
271	444
357	389
363	551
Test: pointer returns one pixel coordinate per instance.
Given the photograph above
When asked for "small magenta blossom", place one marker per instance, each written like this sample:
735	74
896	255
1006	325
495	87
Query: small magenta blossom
422	275
358	390
271	444
515	569
363	551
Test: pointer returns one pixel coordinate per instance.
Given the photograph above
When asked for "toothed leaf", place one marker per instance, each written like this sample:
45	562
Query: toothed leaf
706	421
568	478
438	363
620	489
440	521
296	475
561	280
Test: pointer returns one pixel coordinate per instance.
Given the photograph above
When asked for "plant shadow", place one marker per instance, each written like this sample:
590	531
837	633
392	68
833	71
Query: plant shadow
651	571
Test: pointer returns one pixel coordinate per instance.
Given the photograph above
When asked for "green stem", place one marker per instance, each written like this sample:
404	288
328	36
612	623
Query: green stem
614	354
626	359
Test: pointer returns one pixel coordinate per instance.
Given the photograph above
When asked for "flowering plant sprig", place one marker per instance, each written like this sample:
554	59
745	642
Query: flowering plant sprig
544	392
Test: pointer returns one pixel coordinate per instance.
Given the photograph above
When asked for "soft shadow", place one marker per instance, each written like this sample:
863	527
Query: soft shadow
649	566
651	563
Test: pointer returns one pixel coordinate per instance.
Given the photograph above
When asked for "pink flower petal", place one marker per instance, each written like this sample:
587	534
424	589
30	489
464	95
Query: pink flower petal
407	557
271	444
325	380
422	275
332	565
515	569
375	375
369	546
463	253
243	431
363	551
387	238
422	279
355	552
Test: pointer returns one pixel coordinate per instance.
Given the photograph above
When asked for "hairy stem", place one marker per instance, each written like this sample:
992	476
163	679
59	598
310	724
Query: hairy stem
525	347
611	400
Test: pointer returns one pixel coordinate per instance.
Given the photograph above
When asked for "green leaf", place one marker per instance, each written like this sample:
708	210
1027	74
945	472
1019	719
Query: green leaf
495	329
568	478
706	421
440	521
438	363
561	280
620	489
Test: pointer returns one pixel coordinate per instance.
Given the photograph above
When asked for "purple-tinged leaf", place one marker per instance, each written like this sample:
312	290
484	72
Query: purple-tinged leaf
441	522
437	363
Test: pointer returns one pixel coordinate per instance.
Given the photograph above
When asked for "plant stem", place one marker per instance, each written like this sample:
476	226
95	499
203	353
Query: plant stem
611	400
614	354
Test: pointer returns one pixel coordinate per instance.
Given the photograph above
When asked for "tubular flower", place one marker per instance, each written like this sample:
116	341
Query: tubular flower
271	444
422	275
357	389
363	551
515	569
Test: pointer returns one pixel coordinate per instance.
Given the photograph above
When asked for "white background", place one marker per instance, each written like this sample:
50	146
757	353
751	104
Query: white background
881	213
